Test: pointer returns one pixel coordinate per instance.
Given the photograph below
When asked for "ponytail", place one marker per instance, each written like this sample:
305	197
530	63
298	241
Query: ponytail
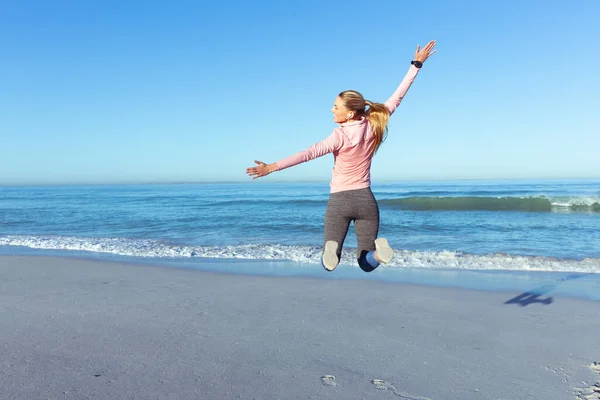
378	115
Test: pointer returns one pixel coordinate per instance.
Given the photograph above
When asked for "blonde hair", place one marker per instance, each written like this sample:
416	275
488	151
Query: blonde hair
377	114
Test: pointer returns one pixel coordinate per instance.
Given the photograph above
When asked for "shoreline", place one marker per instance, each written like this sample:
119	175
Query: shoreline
578	285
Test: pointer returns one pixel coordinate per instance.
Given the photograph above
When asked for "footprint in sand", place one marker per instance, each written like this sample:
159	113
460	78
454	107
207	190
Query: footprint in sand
380	384
591	392
329	380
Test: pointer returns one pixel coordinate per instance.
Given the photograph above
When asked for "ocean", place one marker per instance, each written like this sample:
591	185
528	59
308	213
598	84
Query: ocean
451	225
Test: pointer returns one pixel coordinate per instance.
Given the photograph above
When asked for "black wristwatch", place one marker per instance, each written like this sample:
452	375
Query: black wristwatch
417	64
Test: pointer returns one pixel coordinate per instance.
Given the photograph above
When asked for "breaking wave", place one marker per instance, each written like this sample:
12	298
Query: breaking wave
590	204
147	248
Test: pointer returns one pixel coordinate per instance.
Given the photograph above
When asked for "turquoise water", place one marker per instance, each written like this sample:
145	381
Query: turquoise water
518	226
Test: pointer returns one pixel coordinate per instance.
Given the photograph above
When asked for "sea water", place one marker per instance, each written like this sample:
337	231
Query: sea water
508	228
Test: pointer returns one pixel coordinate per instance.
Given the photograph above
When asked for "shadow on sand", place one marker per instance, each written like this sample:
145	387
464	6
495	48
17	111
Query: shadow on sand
535	295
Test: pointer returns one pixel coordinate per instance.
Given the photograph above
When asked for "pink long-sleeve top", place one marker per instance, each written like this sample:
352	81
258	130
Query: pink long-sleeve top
351	143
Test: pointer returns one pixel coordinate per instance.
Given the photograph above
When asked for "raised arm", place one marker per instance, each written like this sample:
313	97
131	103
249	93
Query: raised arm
420	56
394	101
329	145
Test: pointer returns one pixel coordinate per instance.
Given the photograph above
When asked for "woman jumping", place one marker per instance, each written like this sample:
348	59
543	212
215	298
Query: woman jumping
362	128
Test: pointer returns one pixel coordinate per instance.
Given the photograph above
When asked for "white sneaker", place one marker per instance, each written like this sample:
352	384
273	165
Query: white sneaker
330	258
384	252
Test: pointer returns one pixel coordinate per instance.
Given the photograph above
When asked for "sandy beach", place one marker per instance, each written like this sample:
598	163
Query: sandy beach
83	329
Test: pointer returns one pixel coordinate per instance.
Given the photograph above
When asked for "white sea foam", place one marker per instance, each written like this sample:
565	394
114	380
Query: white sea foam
585	201
306	254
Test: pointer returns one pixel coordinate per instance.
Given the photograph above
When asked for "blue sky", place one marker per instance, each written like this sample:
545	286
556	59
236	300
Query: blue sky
147	91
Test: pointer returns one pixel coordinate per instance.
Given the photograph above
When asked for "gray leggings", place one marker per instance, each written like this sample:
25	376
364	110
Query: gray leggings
361	207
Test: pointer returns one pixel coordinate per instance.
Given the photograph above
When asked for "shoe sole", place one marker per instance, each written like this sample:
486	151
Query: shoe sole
330	258
384	251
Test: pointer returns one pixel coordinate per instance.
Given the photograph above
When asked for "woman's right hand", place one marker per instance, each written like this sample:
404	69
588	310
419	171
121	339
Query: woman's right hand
261	169
422	55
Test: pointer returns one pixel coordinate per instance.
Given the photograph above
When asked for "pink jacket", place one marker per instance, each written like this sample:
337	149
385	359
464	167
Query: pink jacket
351	144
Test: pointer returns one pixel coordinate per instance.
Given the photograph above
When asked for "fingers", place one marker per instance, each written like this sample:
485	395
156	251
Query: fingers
254	176
422	55
429	46
256	172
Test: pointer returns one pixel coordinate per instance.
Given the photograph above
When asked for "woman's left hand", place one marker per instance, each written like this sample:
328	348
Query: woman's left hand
261	169
422	55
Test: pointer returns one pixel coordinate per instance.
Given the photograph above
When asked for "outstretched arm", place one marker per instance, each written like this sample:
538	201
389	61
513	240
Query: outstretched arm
420	56
329	145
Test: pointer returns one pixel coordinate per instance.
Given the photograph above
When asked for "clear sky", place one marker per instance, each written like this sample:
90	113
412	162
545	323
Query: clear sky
145	91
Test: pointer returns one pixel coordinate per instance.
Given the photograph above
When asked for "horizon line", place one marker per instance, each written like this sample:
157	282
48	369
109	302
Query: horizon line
200	182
